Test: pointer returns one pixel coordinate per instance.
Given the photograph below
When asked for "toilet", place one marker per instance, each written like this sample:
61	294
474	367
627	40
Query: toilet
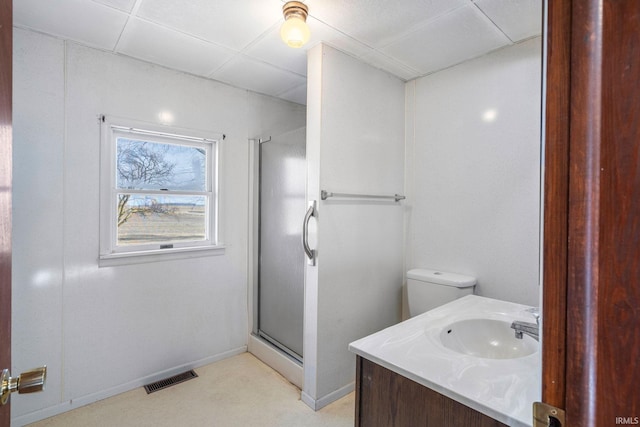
428	289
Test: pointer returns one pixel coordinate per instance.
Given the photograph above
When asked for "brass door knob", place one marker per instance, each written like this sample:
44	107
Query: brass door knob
27	382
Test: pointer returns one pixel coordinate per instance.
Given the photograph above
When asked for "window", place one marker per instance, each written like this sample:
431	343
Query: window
158	191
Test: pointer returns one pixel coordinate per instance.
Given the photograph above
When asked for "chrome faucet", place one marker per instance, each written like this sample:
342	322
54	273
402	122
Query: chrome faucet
531	329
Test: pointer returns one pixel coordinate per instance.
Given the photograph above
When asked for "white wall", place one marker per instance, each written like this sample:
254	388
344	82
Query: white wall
105	330
355	144
475	183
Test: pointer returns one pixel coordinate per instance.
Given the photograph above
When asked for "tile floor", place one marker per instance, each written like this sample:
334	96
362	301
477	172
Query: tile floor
239	391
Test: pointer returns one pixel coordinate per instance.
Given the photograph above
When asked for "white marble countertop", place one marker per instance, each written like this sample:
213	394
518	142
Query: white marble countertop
503	389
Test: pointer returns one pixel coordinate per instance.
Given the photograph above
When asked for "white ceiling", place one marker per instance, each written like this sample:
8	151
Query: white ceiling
238	41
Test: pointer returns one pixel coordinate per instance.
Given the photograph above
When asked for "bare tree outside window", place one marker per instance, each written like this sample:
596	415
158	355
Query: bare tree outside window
138	164
151	206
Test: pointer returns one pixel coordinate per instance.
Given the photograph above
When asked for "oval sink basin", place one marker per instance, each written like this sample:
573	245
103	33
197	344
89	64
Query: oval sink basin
488	338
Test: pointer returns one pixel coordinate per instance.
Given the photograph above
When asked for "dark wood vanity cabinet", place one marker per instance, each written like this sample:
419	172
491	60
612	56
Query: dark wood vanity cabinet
387	399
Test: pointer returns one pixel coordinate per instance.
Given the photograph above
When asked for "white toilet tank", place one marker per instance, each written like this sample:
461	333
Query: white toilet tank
428	289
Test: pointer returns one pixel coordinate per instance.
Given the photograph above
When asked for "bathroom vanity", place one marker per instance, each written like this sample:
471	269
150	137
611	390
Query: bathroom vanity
385	398
457	365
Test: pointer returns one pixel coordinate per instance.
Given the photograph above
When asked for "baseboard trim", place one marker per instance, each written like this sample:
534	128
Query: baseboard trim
317	404
69	405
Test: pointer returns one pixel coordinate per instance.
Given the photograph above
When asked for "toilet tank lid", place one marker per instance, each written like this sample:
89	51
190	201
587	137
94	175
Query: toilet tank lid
441	277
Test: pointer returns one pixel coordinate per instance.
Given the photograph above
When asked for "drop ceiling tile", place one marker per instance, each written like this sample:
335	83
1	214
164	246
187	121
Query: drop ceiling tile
125	5
321	32
518	19
453	38
298	94
87	22
390	65
271	49
231	23
375	22
153	43
257	76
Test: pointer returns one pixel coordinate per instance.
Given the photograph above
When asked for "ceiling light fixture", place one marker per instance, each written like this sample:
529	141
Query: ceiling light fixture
295	31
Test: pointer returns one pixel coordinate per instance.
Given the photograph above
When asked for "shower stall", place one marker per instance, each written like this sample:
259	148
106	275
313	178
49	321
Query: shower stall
279	259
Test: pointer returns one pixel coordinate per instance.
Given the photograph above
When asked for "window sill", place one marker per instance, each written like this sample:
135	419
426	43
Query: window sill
127	258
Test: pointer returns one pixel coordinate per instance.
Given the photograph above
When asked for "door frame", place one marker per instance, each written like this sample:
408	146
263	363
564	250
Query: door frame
555	200
6	87
591	259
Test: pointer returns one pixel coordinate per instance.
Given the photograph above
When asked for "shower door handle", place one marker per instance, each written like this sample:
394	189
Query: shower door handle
311	253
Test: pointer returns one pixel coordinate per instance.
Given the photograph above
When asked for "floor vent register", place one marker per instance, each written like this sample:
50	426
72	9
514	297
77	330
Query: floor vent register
168	382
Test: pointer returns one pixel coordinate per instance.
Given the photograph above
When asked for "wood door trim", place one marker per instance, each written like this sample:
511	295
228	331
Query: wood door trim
556	206
594	80
584	211
570	252
6	63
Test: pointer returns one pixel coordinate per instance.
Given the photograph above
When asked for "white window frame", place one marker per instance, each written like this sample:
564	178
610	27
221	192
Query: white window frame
113	254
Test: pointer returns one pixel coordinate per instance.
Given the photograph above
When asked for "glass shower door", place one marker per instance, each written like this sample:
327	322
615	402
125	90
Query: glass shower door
281	257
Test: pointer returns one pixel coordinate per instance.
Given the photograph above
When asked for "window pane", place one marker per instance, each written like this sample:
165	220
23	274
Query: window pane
146	219
145	165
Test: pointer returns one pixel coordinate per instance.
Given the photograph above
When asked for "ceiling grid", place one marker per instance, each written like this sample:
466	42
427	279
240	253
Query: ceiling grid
238	42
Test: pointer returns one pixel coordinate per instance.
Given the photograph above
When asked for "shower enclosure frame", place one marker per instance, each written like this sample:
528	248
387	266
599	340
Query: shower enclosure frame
264	350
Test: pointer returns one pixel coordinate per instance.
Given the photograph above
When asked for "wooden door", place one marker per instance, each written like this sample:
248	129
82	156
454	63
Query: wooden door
591	348
6	60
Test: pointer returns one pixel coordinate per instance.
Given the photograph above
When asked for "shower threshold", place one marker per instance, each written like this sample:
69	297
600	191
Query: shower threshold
287	352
